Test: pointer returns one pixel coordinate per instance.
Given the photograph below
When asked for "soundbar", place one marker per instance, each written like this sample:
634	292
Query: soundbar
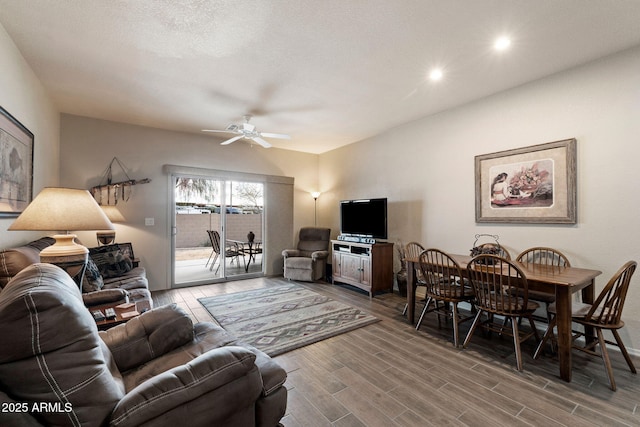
356	239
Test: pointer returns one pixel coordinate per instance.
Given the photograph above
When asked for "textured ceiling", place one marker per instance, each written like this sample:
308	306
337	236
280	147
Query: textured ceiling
328	72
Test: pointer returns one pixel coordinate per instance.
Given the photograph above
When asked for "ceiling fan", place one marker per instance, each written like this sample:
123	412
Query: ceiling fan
248	131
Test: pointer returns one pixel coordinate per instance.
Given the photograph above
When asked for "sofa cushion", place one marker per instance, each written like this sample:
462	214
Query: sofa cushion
92	278
207	336
14	260
111	260
145	338
300	262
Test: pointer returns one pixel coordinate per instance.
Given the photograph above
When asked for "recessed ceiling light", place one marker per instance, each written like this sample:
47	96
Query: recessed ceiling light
502	43
436	74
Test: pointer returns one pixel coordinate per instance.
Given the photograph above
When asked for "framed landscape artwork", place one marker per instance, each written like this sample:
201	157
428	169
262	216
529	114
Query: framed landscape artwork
534	185
16	165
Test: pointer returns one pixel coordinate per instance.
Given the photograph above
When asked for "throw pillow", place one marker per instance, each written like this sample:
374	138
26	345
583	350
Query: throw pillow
92	278
111	261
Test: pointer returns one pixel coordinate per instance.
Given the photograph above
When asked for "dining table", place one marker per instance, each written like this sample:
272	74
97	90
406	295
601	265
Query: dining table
249	247
561	281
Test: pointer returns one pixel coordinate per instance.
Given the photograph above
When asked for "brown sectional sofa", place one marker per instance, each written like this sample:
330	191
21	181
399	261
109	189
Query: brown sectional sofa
130	284
159	369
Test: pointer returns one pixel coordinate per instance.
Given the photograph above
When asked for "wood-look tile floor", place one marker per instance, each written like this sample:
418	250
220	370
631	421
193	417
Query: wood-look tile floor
388	374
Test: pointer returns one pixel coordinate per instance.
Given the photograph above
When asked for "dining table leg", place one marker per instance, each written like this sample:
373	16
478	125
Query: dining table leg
563	322
411	291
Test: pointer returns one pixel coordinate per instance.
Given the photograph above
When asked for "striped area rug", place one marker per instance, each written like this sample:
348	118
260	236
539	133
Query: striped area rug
283	318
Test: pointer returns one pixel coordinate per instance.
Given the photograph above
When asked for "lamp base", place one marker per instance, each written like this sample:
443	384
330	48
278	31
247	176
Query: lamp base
65	246
68	255
105	237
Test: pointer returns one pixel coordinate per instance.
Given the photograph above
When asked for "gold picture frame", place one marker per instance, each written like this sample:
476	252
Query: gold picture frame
529	185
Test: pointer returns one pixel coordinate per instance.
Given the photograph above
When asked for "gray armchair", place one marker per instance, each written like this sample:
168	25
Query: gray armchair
309	260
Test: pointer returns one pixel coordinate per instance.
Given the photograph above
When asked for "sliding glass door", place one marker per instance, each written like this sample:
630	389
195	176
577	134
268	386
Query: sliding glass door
218	229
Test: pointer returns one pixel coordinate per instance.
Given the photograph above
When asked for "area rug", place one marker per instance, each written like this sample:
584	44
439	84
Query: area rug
283	318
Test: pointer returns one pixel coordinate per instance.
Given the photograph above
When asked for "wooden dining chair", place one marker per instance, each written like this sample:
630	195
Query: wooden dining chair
444	283
501	288
545	256
604	314
413	250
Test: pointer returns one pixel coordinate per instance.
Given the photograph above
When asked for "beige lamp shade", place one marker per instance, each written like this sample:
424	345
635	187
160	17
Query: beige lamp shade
62	210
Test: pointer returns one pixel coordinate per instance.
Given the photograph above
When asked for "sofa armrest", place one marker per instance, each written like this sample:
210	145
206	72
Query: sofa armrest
273	375
290	253
316	255
152	334
179	386
105	296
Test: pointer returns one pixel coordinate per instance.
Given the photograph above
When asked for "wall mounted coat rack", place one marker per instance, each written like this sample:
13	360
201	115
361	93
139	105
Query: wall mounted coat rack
109	192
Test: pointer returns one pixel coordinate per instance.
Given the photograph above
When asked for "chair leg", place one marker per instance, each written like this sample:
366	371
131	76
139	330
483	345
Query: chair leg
476	320
404	311
533	328
456	325
210	255
424	311
548	334
214	262
516	343
623	350
605	358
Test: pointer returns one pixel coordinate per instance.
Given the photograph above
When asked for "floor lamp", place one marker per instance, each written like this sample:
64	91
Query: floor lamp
63	210
315	196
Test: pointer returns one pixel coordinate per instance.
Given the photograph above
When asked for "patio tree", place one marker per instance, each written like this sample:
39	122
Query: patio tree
188	188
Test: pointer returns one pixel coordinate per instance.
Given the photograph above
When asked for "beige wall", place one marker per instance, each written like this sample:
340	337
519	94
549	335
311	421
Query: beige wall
22	95
426	169
89	145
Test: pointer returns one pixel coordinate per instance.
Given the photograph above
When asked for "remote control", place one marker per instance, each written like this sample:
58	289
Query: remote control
97	315
110	313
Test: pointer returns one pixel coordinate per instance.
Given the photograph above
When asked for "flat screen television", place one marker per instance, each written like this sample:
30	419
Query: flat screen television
364	217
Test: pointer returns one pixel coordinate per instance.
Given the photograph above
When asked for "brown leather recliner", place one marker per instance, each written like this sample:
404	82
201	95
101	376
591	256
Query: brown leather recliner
156	370
308	261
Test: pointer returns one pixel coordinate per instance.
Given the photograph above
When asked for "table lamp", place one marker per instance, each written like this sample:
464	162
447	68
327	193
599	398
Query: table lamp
63	210
107	237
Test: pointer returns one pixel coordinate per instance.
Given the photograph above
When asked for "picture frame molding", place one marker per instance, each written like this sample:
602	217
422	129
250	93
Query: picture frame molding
19	139
565	215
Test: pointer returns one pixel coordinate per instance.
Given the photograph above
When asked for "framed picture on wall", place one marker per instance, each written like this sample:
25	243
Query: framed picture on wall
16	165
530	185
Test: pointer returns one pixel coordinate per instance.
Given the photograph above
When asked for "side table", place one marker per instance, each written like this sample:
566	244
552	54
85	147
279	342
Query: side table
124	313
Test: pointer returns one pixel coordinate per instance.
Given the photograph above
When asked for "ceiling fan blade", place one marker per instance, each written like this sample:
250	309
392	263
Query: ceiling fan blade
215	130
229	141
275	135
261	141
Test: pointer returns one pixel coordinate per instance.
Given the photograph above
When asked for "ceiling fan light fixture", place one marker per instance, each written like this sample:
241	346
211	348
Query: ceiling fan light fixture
248	131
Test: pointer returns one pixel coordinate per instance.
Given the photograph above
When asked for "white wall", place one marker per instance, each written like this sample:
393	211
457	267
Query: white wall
426	169
89	145
22	95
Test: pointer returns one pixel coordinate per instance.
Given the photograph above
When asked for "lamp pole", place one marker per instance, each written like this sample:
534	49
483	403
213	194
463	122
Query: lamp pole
315	196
